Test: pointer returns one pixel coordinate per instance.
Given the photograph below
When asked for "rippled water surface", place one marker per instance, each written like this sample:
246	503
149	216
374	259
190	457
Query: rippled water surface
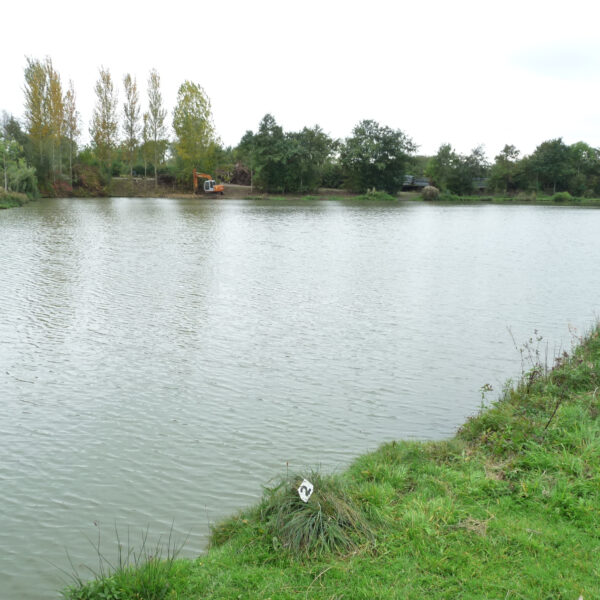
160	360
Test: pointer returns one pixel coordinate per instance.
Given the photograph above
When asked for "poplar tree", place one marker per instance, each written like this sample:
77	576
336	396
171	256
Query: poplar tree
156	121
131	119
104	127
146	142
36	111
71	124
192	122
56	117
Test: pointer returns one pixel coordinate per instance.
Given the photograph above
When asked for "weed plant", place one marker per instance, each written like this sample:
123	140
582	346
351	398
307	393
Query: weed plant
147	573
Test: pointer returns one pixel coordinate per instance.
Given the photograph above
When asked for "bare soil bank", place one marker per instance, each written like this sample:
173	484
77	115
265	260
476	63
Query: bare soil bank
145	188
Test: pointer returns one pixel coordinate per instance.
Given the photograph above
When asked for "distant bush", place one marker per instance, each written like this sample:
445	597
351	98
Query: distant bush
562	197
12	199
526	196
88	180
430	193
448	197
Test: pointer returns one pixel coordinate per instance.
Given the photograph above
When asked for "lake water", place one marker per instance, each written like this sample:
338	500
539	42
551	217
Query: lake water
160	360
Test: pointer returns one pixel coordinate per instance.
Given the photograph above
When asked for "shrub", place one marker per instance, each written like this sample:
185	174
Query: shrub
526	196
430	193
562	197
12	199
448	197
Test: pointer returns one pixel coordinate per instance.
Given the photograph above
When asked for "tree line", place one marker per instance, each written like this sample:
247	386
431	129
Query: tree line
42	152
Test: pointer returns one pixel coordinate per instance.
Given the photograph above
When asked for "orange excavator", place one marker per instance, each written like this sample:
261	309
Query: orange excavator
210	187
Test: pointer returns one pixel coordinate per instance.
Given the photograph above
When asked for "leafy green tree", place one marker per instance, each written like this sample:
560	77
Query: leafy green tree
131	120
450	171
376	157
313	149
503	173
551	165
194	130
104	128
439	168
16	176
271	151
585	165
12	130
245	153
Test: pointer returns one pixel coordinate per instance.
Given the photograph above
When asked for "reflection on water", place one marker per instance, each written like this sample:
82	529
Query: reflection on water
162	359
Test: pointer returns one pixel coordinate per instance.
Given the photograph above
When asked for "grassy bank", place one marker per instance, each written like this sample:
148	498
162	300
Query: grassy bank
12	199
560	198
508	508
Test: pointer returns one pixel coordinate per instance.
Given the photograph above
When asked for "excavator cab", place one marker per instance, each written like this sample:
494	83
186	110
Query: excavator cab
209	186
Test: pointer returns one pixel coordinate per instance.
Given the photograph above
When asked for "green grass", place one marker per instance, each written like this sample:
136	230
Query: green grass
563	198
508	508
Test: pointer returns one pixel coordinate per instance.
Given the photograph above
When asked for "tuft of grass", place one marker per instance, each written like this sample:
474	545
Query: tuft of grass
330	522
148	573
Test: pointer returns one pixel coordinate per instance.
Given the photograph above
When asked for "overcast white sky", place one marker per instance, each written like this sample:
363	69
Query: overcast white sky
464	72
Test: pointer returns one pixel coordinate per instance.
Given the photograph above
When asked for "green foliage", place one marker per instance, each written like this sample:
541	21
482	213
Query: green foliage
504	171
88	178
449	197
285	162
551	165
12	199
376	157
562	197
15	174
455	173
333	175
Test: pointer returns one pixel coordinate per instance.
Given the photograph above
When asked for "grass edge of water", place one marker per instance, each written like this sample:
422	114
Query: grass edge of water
519	481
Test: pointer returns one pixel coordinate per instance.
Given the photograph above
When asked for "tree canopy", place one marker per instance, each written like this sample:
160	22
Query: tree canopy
375	156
